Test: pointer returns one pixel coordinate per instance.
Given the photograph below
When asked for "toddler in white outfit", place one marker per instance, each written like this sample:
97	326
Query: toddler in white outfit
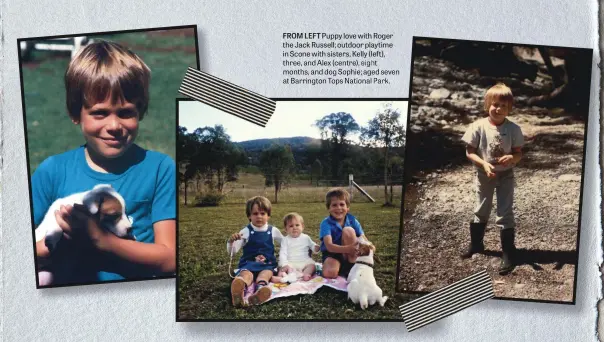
294	255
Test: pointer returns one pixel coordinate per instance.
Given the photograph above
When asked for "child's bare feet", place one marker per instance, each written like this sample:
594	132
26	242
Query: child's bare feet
261	296
276	279
237	292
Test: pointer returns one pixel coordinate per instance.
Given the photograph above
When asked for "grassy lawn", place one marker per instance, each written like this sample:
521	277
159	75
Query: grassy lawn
204	283
249	185
44	93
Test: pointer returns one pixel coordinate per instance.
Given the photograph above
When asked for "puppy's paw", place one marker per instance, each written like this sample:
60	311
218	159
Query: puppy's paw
383	300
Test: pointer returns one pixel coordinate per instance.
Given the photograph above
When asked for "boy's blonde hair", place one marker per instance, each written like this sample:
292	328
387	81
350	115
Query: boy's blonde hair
105	69
338	193
262	202
287	218
499	91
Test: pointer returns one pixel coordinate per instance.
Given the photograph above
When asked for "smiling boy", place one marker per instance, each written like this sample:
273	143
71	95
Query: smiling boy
107	95
494	146
339	234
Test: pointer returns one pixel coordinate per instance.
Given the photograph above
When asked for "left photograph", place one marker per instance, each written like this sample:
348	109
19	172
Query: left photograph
98	115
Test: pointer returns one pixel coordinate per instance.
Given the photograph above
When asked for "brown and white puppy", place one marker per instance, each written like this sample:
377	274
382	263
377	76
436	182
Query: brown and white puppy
103	201
362	288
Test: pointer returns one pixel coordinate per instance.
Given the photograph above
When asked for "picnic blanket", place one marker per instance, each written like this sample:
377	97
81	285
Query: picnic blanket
300	287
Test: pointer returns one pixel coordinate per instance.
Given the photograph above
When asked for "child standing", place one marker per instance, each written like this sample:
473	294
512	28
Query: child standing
339	235
258	261
107	94
295	248
494	145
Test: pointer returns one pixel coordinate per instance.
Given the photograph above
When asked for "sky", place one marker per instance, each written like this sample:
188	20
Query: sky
291	118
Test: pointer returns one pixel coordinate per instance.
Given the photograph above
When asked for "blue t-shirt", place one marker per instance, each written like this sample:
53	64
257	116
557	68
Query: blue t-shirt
329	226
147	183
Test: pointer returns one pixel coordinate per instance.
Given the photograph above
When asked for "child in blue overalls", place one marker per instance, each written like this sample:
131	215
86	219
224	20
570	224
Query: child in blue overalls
258	261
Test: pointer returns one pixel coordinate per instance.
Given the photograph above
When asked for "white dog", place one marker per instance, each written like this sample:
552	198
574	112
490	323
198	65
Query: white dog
102	200
362	288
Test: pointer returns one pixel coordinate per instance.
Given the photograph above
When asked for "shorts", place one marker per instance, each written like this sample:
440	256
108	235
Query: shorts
299	265
345	265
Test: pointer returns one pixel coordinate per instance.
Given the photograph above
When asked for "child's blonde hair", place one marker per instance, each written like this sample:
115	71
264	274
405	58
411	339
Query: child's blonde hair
498	91
287	218
105	69
338	193
262	202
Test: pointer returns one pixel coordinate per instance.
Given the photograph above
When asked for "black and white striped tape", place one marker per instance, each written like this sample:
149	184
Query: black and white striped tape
227	97
447	301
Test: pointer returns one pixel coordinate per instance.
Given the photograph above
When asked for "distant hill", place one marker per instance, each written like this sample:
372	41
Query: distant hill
365	162
302	148
296	143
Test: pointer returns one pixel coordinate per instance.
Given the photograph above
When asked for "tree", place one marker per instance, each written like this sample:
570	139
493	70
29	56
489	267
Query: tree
186	176
396	167
209	155
316	170
185	150
277	164
384	131
335	129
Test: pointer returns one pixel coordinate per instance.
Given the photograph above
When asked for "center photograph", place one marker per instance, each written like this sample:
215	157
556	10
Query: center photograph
295	221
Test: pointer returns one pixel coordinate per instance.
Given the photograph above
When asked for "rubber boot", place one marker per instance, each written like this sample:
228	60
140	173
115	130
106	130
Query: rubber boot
508	249
476	239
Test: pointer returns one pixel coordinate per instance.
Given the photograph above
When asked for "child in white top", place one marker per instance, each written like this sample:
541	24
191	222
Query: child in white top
294	255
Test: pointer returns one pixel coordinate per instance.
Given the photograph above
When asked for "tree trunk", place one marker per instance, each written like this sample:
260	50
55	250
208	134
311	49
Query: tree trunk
386	177
220	177
391	196
186	192
276	191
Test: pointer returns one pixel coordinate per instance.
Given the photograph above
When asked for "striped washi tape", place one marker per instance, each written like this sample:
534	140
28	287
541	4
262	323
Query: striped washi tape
447	301
227	97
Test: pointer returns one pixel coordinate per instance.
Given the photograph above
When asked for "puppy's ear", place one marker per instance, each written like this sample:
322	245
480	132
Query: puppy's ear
91	203
102	186
93	200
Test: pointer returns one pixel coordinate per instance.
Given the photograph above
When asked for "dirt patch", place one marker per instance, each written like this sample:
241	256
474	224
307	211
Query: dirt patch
440	199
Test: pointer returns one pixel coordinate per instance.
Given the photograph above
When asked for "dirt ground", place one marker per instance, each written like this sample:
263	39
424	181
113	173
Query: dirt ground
440	199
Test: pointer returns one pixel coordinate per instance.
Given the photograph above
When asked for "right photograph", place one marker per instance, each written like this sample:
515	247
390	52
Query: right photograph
494	167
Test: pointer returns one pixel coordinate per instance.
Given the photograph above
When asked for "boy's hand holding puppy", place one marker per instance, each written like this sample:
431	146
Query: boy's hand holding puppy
81	217
71	218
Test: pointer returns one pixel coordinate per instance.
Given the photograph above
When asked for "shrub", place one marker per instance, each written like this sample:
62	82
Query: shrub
211	199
